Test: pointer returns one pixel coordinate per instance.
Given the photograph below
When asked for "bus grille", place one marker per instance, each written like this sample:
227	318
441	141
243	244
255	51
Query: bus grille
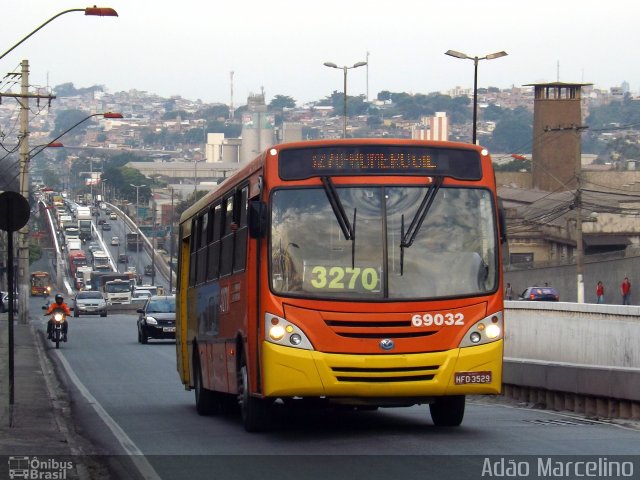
376	329
385	375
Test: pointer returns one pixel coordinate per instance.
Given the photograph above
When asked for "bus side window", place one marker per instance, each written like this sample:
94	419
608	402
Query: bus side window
226	257
192	255
201	256
240	218
213	268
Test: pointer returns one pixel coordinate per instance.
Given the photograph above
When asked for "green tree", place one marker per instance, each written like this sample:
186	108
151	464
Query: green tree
190	200
280	102
513	132
214	112
67	118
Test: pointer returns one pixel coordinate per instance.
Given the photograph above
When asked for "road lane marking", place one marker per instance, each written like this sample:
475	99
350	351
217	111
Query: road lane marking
135	454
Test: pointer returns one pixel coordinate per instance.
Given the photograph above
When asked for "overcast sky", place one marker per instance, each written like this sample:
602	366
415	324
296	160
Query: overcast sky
189	47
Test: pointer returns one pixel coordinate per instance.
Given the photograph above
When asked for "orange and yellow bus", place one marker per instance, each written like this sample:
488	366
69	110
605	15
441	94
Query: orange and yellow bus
40	284
360	272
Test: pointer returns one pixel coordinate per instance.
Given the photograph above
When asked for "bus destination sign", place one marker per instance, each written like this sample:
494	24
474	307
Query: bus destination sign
303	163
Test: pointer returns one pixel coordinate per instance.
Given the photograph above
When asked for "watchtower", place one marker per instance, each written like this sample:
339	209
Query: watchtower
557	123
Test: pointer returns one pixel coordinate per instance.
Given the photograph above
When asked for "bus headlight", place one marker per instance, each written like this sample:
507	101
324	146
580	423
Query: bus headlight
486	330
276	332
282	332
493	331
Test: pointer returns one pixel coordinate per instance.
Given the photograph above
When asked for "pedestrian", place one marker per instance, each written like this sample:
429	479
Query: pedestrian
508	292
625	290
600	292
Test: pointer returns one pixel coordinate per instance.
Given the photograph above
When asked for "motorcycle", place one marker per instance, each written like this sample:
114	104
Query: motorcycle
58	319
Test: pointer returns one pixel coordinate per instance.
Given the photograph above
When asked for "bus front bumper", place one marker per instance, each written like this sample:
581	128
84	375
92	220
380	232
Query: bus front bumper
292	372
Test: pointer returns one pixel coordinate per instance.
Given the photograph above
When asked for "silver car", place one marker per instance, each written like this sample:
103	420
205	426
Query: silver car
89	303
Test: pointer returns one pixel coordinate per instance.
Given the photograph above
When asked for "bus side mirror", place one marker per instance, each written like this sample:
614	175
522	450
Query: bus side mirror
257	219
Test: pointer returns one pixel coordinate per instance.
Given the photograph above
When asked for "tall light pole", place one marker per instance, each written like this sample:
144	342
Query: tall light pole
171	243
345	69
138	238
89	11
491	56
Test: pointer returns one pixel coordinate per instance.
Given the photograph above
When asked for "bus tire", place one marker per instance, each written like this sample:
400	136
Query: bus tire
207	401
254	411
447	411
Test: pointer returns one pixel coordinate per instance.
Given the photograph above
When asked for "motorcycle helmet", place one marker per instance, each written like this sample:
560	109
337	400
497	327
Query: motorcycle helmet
59	299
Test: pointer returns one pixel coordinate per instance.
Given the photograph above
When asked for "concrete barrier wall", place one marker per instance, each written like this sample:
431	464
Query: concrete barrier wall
586	334
559	351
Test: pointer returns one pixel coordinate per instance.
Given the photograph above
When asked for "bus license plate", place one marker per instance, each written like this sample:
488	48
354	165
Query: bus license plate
464	378
168	329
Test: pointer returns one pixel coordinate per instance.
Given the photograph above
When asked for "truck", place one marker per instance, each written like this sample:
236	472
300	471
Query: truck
100	279
83	278
133	241
117	292
73	244
83	214
101	261
77	258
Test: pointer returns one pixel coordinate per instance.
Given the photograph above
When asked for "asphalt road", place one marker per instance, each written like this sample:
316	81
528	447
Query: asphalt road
129	399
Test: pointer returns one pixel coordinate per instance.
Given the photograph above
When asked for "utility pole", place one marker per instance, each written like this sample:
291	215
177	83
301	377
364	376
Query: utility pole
579	245
577	207
23	242
23	239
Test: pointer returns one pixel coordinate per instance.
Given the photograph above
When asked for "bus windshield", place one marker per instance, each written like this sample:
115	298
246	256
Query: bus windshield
453	253
40	279
117	287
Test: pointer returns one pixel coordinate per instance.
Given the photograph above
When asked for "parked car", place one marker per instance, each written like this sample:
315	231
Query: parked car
540	294
157	319
106	226
123	258
115	241
89	303
5	302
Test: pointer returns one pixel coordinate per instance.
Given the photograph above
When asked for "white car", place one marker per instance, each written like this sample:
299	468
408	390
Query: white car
113	216
140	296
115	241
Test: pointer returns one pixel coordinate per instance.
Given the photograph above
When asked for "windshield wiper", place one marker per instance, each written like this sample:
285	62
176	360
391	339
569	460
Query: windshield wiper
414	227
348	229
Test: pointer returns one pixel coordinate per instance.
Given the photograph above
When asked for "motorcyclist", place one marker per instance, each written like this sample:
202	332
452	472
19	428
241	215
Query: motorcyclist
58	305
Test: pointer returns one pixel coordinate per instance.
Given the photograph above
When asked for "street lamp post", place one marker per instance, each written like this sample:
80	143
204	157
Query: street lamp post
153	248
89	11
476	59
345	69
137	187
171	244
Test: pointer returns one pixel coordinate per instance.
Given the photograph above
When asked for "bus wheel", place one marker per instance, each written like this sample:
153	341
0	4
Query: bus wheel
207	401
253	410
447	411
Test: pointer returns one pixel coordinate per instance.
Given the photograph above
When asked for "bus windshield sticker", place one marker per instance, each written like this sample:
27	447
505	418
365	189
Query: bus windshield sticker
303	163
323	277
